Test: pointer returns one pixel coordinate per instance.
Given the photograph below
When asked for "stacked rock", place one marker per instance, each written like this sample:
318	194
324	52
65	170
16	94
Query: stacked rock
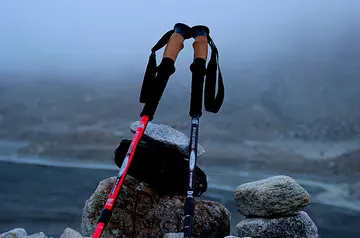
274	208
151	202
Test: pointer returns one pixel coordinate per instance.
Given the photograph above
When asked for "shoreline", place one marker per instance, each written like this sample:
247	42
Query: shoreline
220	179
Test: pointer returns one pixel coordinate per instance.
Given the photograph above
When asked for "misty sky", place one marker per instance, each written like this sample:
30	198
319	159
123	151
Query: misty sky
298	59
104	35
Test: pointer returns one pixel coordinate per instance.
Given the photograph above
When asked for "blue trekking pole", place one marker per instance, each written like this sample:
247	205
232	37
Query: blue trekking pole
212	104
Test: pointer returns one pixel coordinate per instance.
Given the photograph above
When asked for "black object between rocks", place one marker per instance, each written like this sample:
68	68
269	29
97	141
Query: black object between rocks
163	168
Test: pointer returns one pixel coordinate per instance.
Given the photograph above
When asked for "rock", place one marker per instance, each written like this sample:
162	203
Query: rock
14	233
70	233
37	235
162	169
174	235
141	213
299	226
181	235
237	237
21	233
274	196
168	136
211	219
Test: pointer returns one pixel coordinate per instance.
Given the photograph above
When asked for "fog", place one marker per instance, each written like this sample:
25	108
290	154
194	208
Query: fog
89	35
299	60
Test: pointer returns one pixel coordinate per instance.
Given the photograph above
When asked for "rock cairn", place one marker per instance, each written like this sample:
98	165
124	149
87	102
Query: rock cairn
141	211
274	208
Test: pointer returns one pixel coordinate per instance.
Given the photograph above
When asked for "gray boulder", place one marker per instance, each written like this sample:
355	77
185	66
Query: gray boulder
236	237
37	235
70	233
274	196
174	235
141	212
299	226
21	233
14	233
168	136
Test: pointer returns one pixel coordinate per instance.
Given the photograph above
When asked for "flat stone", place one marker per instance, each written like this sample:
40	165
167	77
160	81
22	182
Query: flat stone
274	196
174	235
167	136
70	233
14	233
237	237
37	235
299	226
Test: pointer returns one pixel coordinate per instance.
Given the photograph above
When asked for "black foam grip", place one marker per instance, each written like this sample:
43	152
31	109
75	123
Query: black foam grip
105	216
165	70
198	70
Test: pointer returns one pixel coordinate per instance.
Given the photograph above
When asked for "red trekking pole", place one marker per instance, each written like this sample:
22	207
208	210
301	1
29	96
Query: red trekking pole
153	86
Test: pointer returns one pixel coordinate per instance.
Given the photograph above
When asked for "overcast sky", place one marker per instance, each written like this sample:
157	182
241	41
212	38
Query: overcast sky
97	35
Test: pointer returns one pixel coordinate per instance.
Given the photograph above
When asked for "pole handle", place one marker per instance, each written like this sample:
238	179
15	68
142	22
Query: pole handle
156	78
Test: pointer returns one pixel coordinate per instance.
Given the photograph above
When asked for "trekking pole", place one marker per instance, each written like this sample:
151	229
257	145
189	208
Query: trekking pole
154	83
212	104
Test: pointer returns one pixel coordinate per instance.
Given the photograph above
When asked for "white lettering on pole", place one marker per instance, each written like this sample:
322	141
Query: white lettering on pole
123	166
191	180
109	202
193	137
192	160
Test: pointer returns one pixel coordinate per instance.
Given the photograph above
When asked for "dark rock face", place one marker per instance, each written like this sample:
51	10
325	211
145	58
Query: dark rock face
141	212
163	168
